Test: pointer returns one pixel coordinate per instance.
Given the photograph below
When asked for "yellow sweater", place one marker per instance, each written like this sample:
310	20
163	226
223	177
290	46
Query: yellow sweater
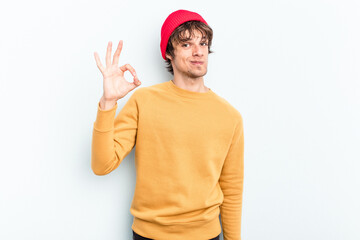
189	160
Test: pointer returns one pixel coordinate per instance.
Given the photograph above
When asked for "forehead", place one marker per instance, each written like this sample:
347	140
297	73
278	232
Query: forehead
195	35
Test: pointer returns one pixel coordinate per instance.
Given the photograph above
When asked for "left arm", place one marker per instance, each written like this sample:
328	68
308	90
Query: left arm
231	183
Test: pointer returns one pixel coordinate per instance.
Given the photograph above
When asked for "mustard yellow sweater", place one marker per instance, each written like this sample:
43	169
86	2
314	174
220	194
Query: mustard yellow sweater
189	160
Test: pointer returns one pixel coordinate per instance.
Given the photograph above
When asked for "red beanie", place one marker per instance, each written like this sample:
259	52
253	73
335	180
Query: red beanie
173	21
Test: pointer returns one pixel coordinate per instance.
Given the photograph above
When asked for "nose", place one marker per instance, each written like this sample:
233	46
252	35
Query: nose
197	50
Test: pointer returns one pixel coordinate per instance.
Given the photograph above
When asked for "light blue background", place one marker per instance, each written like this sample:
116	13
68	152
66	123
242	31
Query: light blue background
290	67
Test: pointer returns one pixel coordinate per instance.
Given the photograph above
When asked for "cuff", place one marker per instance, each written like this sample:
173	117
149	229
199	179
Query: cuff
105	119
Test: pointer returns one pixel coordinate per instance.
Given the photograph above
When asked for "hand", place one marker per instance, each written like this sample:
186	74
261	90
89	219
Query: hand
114	83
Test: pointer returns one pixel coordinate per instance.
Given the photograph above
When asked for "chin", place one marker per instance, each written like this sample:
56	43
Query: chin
197	75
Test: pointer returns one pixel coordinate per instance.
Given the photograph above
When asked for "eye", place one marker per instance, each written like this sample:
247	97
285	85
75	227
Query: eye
205	43
184	45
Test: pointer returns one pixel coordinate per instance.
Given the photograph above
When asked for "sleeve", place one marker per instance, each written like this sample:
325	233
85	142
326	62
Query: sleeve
231	182
113	138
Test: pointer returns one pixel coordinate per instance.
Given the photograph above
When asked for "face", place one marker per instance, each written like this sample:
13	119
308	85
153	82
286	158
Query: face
191	57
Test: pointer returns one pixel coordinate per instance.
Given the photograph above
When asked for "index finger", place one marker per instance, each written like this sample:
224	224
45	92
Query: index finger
117	53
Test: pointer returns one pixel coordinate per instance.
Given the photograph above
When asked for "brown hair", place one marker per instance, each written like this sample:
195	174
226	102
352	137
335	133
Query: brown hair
178	36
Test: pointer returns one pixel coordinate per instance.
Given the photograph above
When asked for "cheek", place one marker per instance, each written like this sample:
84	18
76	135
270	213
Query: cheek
183	61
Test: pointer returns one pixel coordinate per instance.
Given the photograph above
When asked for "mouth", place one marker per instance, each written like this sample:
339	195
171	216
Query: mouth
197	62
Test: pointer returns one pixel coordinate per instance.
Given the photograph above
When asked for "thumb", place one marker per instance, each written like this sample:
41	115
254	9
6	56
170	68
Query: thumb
133	85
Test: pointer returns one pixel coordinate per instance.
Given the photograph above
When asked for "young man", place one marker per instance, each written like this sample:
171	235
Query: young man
189	154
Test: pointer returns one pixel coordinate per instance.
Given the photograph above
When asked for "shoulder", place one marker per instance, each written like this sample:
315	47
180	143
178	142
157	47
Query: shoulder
233	112
139	93
142	95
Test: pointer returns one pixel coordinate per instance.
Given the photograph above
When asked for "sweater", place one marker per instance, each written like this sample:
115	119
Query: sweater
189	161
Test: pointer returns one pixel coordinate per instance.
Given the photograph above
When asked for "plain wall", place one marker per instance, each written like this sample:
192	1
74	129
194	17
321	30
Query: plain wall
291	68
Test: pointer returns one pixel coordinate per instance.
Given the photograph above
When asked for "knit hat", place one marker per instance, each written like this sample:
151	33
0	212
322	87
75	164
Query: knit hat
173	21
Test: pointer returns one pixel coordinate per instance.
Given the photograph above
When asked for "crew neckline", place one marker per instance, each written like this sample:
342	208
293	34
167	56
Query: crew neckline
187	93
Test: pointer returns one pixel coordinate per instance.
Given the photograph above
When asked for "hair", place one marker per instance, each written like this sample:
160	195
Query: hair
178	36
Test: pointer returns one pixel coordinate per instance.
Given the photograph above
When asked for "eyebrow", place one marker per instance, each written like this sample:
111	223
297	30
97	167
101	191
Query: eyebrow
189	38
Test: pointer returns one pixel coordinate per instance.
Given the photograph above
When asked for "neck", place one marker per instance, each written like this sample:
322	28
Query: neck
189	83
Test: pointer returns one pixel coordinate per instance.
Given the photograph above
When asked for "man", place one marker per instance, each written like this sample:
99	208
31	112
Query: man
189	154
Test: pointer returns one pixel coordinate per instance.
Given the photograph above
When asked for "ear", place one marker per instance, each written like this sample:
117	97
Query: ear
168	56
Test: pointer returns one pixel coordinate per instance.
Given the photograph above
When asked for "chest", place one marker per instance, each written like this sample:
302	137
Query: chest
198	123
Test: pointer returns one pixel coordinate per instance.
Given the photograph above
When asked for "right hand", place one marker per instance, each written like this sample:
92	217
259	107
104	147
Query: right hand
114	83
